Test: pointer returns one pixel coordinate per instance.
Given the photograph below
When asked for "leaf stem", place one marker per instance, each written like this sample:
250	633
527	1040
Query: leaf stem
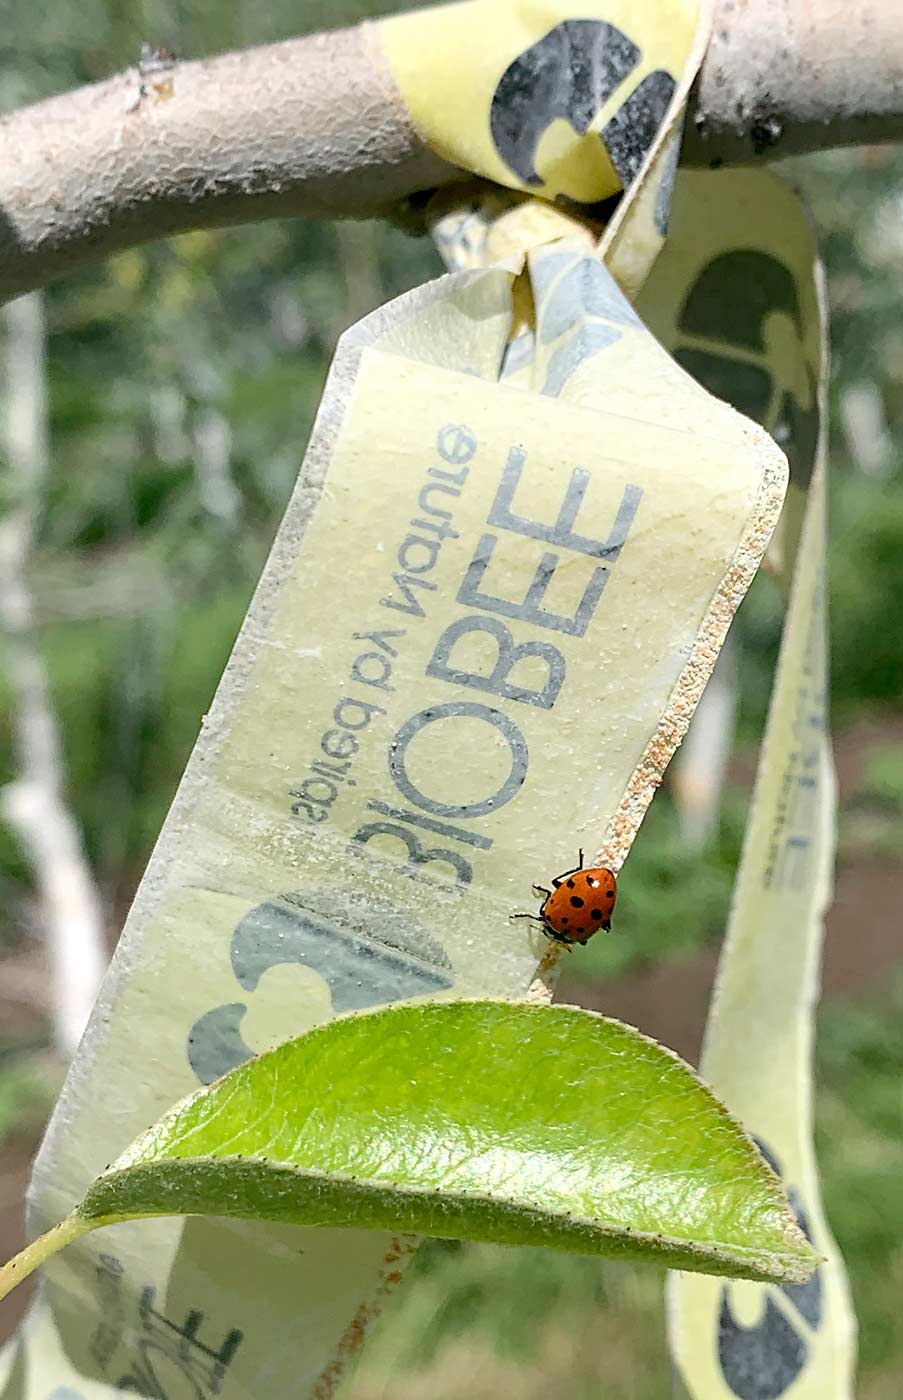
33	1255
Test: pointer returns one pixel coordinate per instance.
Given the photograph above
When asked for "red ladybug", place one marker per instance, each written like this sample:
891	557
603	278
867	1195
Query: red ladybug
579	902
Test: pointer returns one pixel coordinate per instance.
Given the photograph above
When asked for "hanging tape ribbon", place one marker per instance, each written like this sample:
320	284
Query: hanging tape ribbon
483	574
738	301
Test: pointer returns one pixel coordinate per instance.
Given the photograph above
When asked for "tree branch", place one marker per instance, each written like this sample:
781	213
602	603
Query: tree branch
314	126
310	126
789	77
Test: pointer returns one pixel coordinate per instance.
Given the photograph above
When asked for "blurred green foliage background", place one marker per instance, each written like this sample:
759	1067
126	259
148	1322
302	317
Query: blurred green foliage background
184	378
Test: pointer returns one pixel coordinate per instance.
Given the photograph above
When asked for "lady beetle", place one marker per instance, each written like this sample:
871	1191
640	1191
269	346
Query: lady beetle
579	902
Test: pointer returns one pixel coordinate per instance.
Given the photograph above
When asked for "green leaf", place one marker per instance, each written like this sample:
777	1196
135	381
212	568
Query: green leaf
494	1121
482	1120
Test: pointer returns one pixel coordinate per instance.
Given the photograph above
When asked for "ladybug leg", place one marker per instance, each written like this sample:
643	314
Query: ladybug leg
607	926
540	889
555	937
566	876
580	854
535	917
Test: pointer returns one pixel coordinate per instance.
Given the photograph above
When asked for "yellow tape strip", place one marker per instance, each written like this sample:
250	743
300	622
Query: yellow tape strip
474	588
556	98
737	297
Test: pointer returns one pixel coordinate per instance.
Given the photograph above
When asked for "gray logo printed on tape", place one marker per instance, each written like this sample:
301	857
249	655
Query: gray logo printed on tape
762	1362
367	951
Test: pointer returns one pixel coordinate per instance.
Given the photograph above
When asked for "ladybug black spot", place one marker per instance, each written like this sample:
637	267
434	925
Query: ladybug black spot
576	901
570	884
565	919
597	913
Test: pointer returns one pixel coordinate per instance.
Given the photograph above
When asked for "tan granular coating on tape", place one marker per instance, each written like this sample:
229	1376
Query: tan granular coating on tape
692	681
399	1253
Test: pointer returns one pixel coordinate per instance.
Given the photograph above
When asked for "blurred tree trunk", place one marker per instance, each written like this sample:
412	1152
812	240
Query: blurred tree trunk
34	804
862	415
700	764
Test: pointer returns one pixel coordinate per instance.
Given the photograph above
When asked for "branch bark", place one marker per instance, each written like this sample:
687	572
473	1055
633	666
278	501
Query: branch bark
314	126
789	77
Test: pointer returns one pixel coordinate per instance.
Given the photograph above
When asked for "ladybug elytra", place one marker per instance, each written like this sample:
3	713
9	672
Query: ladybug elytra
579	902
